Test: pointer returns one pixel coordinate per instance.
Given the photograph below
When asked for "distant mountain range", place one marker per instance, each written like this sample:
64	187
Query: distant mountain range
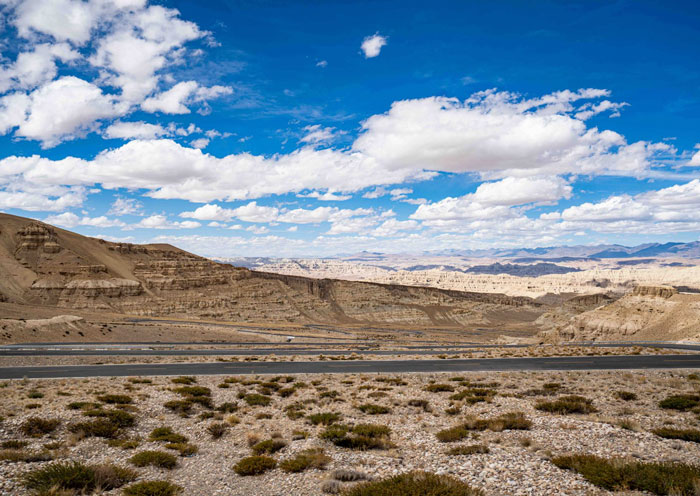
559	253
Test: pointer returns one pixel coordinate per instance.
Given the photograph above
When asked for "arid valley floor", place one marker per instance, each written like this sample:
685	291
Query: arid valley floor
355	429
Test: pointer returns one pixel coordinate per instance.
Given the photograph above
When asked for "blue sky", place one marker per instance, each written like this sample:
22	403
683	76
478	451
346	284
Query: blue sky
316	128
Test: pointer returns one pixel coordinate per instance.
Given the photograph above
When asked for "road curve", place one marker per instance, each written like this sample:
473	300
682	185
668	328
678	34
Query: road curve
620	362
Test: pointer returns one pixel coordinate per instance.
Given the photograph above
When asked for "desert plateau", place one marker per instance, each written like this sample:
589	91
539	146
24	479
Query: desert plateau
353	248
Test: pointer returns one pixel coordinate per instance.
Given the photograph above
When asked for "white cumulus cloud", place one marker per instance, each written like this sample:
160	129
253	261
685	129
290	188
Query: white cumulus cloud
372	45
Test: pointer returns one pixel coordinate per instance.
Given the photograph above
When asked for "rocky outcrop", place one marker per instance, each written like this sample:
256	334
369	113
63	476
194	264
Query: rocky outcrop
161	280
655	291
649	313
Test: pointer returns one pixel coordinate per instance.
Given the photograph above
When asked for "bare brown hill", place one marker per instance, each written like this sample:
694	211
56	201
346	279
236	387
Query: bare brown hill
41	265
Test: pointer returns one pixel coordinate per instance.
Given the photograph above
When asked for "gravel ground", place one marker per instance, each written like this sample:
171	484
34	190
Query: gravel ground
518	462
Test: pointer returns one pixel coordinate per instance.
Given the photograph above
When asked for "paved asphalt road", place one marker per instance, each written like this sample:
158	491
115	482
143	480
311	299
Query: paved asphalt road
359	366
143	349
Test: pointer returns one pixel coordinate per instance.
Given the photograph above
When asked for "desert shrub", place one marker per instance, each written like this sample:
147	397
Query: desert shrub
394	381
325	418
665	478
254	465
625	395
346	475
694	377
184	380
515	421
100	427
420	403
166	434
329	394
565	405
506	421
360	437
138	380
286	392
83	405
217	429
185	449
439	388
20	455
474	395
415	484
269	446
331	487
312	458
117	417
681	402
372	409
76	476
227	407
35	395
452	434
254	399
154	458
468	450
692	435
119	399
334	432
183	407
152	488
193	391
13	444
37	427
126	444
371	430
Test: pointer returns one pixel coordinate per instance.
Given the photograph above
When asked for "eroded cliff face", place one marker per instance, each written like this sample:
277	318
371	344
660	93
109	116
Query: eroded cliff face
645	313
40	264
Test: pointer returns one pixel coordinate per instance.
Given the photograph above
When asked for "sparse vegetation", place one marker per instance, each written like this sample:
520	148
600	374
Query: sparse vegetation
692	435
154	458
184	380
312	458
420	403
664	478
625	395
217	429
152	488
166	434
325	418
254	465
268	446
439	388
37	427
254	399
119	418
76	477
360	437
372	409
468	450
567	405
507	421
415	484
116	399
680	402
100	427
346	475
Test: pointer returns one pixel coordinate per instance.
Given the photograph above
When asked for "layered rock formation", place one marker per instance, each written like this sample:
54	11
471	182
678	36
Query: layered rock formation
648	313
44	265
